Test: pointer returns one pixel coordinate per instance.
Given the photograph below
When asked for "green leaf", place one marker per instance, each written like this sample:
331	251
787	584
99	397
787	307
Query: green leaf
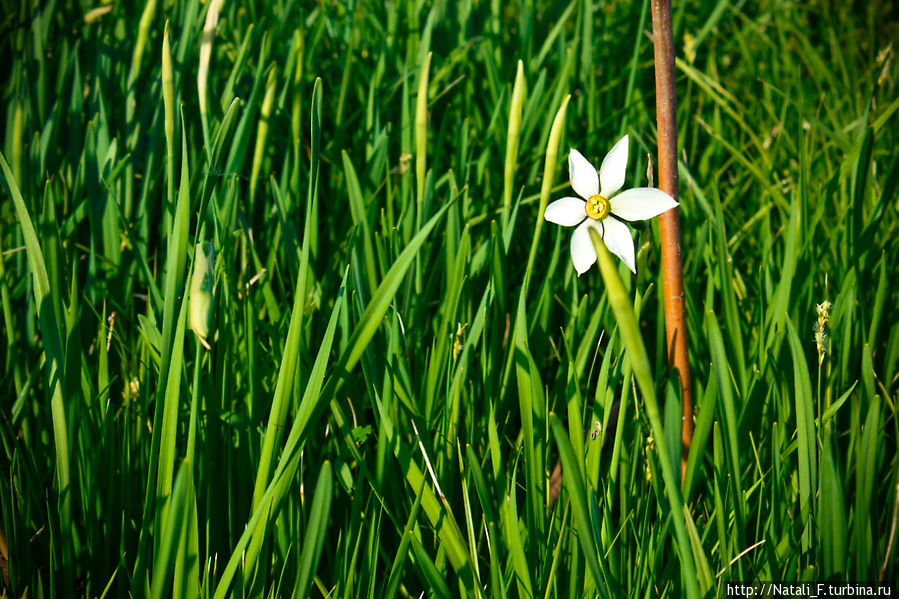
316	531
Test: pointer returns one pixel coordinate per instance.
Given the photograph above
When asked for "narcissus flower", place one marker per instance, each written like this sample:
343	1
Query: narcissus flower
599	203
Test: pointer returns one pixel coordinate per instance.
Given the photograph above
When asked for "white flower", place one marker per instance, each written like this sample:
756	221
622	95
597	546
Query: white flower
598	203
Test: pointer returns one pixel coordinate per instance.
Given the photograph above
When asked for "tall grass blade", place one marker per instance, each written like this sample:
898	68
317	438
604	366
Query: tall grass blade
633	342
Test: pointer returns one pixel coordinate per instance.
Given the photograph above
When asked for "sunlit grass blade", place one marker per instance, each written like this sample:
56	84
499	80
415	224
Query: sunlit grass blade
168	426
52	327
633	342
176	511
315	532
159	485
531	403
286	373
436	509
289	460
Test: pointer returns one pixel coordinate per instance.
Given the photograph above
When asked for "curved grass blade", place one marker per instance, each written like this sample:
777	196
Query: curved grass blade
633	342
313	399
52	326
289	460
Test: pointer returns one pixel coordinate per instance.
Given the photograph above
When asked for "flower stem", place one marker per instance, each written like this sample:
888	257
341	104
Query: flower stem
669	223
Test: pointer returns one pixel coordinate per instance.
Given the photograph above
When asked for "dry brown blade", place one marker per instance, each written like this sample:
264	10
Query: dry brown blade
669	223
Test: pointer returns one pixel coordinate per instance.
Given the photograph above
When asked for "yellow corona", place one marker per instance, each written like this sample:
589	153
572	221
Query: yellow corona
597	207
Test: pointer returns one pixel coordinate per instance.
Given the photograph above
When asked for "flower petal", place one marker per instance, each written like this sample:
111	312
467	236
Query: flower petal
641	203
566	212
619	241
582	253
614	167
583	176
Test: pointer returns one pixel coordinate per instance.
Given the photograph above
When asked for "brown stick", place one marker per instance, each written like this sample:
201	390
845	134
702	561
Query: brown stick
669	223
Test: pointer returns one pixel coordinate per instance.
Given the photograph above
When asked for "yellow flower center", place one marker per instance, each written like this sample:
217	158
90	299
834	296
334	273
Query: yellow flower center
597	207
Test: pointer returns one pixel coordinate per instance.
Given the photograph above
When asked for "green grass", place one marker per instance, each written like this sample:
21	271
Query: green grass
400	350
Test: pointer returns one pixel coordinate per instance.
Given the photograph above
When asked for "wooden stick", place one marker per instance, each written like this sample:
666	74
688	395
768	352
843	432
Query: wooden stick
669	223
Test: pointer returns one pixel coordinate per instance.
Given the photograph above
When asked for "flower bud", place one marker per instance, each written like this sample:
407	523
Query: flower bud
201	285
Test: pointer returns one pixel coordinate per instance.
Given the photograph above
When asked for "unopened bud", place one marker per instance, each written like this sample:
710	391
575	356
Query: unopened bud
201	285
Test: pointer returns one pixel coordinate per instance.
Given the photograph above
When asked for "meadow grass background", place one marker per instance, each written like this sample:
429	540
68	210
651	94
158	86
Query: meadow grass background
400	350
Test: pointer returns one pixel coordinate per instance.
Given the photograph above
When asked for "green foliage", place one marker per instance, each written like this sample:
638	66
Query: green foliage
399	350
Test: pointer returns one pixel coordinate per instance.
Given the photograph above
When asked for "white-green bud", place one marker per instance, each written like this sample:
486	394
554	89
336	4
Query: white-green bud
201	286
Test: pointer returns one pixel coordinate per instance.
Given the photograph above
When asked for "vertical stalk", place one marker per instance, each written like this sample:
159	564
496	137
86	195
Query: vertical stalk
421	155
669	222
143	33
168	101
